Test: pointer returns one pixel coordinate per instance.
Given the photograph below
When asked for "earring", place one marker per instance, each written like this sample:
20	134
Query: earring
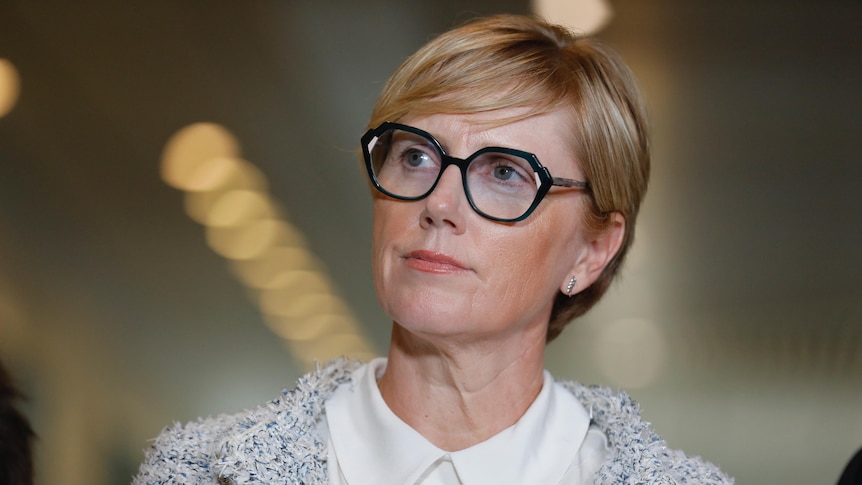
570	286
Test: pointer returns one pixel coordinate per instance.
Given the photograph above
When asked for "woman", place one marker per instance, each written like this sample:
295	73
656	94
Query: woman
509	159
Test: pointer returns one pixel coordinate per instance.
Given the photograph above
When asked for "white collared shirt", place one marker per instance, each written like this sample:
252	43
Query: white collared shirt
552	443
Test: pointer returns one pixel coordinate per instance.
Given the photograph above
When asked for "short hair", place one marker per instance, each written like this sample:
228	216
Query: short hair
514	61
16	437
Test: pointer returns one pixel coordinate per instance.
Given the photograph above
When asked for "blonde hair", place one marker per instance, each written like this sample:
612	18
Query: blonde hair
510	61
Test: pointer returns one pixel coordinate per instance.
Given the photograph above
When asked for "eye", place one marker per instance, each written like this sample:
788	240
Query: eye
417	158
503	172
504	169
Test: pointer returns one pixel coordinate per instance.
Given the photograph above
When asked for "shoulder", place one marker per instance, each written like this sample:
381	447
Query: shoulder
206	450
185	453
637	453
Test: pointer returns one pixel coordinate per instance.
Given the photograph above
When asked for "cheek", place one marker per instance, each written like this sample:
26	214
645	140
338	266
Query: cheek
544	253
389	224
390	219
525	265
377	234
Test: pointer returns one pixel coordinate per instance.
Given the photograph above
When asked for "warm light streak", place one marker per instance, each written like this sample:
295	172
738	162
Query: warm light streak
311	328
214	173
583	16
192	147
215	178
238	207
249	240
294	330
229	196
277	268
226	173
300	304
292	280
10	86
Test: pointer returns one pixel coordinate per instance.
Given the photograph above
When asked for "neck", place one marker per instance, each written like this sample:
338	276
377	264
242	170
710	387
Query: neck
460	395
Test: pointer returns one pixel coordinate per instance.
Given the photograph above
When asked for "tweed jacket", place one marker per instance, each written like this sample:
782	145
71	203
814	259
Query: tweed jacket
278	443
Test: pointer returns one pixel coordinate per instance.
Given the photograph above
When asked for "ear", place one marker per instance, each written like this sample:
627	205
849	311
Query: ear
597	250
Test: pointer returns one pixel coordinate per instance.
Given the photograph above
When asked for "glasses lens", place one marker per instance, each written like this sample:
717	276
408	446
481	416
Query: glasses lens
501	185
404	163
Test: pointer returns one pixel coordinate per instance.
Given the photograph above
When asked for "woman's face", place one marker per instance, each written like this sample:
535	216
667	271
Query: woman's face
441	269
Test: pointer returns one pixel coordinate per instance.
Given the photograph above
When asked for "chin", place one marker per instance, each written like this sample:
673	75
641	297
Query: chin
428	322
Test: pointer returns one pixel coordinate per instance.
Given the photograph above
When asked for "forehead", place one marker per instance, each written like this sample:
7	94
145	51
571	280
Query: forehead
550	136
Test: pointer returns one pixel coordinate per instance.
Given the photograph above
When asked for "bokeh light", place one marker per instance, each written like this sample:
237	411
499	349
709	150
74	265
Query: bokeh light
237	207
10	86
278	267
193	147
584	16
268	254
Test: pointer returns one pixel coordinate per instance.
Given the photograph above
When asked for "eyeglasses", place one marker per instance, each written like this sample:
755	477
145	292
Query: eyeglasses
501	184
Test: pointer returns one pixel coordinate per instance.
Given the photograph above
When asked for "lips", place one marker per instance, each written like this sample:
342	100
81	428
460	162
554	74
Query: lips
433	262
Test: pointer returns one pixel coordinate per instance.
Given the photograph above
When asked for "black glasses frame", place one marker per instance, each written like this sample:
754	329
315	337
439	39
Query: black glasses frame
545	180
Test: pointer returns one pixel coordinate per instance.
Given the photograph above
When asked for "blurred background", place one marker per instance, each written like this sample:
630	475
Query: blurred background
185	227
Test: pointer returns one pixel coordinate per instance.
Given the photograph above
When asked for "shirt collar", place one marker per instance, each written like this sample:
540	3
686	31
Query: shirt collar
374	446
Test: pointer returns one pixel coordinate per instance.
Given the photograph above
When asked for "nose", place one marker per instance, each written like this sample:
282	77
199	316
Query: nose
446	205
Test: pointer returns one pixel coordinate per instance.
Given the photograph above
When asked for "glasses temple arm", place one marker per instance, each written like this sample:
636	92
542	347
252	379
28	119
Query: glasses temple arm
561	182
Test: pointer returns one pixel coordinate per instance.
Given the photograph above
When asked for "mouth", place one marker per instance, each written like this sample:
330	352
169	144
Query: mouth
433	262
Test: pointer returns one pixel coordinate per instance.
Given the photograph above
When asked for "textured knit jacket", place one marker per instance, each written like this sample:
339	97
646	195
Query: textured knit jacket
277	443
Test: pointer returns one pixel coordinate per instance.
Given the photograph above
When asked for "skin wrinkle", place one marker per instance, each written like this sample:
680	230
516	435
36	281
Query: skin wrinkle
462	428
467	351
